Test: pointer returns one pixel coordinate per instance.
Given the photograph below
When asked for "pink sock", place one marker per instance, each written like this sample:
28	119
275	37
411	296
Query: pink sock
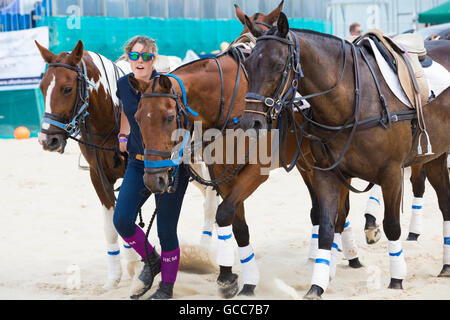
137	242
170	261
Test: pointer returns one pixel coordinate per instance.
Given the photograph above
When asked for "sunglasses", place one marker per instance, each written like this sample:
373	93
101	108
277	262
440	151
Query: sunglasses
146	56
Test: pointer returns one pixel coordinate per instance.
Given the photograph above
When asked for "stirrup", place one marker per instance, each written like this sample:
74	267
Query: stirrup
419	147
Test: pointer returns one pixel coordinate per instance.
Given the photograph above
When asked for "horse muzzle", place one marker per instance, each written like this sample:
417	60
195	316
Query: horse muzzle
157	181
53	143
253	121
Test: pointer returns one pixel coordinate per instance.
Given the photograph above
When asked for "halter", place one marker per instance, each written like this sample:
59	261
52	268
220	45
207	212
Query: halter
282	96
71	127
172	162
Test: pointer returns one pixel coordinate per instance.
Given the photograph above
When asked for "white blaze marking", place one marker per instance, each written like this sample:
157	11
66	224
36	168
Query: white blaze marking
48	98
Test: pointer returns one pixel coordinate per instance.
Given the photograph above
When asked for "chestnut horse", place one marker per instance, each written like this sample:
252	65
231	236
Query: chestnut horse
215	89
348	93
79	90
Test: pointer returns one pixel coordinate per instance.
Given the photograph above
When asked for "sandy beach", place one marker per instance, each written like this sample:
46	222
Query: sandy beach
52	224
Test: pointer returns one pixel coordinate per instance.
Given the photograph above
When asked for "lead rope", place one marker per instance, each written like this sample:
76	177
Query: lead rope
147	257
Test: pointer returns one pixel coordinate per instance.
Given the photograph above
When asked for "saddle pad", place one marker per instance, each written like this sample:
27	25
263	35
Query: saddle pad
389	75
438	78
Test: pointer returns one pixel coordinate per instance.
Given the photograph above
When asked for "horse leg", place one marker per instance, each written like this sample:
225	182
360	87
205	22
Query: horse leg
250	272
418	177
248	180
328	188
392	191
314	214
210	204
371	228
111	236
437	174
344	233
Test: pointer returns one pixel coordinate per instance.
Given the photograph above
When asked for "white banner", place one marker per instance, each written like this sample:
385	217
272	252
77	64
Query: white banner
21	64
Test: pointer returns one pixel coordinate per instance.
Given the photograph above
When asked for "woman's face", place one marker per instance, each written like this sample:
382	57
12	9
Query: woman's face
142	69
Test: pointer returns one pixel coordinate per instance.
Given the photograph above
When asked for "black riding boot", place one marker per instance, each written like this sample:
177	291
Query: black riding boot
164	292
152	267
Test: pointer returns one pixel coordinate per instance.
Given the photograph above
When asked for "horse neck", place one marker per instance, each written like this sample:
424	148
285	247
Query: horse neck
101	98
203	89
321	59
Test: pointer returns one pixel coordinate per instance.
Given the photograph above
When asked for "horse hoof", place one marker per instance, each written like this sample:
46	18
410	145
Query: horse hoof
111	283
396	284
373	234
314	293
355	263
247	290
412	236
228	287
445	272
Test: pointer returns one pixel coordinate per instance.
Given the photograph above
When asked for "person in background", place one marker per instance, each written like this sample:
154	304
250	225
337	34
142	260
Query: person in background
355	29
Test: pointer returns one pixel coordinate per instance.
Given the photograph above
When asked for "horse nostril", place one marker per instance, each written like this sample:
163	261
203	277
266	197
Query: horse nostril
257	124
52	142
161	182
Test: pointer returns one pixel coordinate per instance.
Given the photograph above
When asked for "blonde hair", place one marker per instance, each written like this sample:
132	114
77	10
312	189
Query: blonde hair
147	42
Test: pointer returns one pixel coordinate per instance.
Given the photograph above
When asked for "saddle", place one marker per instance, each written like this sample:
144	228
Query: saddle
402	53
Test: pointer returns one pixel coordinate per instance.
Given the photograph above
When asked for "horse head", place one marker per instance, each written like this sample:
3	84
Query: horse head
265	67
158	117
60	87
260	19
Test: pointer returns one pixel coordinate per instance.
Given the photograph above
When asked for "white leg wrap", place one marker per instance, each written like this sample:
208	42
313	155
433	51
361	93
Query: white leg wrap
114	265
397	260
321	272
112	247
349	248
415	226
250	272
374	202
225	253
334	253
209	208
314	243
446	242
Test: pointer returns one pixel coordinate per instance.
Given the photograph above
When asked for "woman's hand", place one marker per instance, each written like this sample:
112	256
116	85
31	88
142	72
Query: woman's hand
123	140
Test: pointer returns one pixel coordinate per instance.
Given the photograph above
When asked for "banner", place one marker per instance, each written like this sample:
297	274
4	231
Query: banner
21	64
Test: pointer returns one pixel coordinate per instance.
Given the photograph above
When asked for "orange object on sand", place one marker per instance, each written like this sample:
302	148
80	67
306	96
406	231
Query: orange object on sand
21	133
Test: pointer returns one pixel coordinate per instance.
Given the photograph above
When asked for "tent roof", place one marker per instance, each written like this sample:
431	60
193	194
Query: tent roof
439	14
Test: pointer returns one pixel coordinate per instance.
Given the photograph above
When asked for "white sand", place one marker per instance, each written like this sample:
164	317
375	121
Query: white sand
51	220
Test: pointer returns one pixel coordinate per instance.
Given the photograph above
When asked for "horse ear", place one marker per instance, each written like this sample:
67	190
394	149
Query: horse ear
139	85
165	83
77	52
254	29
46	54
240	14
273	16
282	25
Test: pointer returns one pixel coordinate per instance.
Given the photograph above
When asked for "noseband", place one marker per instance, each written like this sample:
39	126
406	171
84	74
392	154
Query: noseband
282	96
71	127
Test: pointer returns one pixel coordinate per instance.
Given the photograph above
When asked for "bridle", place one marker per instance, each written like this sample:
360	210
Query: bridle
71	126
182	110
283	96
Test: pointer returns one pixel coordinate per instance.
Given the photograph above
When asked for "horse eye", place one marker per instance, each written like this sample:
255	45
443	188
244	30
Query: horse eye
67	90
170	118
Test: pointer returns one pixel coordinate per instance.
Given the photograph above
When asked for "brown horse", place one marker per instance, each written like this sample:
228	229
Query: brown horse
77	84
215	88
347	94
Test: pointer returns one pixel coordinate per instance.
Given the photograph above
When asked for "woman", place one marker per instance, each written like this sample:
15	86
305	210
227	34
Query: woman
142	53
